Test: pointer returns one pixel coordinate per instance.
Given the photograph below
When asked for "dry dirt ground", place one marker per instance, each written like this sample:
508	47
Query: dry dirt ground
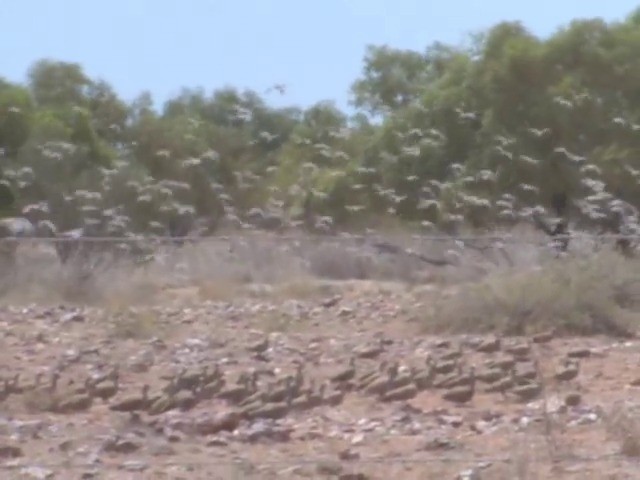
192	344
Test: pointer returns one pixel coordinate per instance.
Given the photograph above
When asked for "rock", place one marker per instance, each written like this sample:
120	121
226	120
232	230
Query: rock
369	351
195	344
585	419
75	317
217	442
174	437
37	473
348	454
450	420
71	356
260	346
142	362
572	399
470	474
120	445
353	476
134	466
65	446
438	443
543	337
162	450
331	302
263	431
328	467
579	353
491	415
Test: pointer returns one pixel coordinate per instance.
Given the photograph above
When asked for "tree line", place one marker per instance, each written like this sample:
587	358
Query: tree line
475	136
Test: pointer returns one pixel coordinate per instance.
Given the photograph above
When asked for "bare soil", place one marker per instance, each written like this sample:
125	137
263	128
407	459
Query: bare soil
586	427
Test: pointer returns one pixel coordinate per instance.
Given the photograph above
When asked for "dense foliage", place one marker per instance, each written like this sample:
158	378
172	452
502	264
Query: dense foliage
487	133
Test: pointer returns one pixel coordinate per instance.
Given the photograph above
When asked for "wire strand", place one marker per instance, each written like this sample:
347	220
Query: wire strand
200	239
304	460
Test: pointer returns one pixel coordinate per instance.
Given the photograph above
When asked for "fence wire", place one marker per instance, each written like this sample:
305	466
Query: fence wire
308	460
241	468
504	238
265	257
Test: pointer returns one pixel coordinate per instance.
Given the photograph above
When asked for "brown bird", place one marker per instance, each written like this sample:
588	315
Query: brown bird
524	389
274	411
347	374
462	394
75	403
490	345
133	403
423	379
86	386
187	380
504	363
334	398
568	371
162	404
371	351
280	394
211	389
451	354
519	350
37	382
311	400
405	392
237	393
543	337
107	390
500	386
490	375
382	383
370	375
185	400
445	367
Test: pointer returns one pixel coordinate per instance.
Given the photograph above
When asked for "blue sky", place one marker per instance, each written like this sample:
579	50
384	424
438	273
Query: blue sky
315	47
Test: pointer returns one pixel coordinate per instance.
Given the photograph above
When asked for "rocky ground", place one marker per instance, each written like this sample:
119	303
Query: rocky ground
341	384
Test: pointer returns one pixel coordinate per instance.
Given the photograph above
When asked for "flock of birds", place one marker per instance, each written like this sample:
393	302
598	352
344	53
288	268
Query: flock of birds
125	203
508	369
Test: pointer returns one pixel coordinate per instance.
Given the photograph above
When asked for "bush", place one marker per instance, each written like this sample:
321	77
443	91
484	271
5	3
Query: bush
582	296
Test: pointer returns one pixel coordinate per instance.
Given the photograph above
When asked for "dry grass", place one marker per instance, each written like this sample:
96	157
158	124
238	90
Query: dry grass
587	295
523	463
219	290
304	288
137	324
219	270
623	426
582	296
274	322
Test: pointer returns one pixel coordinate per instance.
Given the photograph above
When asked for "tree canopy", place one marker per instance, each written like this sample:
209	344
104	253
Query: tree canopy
480	136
